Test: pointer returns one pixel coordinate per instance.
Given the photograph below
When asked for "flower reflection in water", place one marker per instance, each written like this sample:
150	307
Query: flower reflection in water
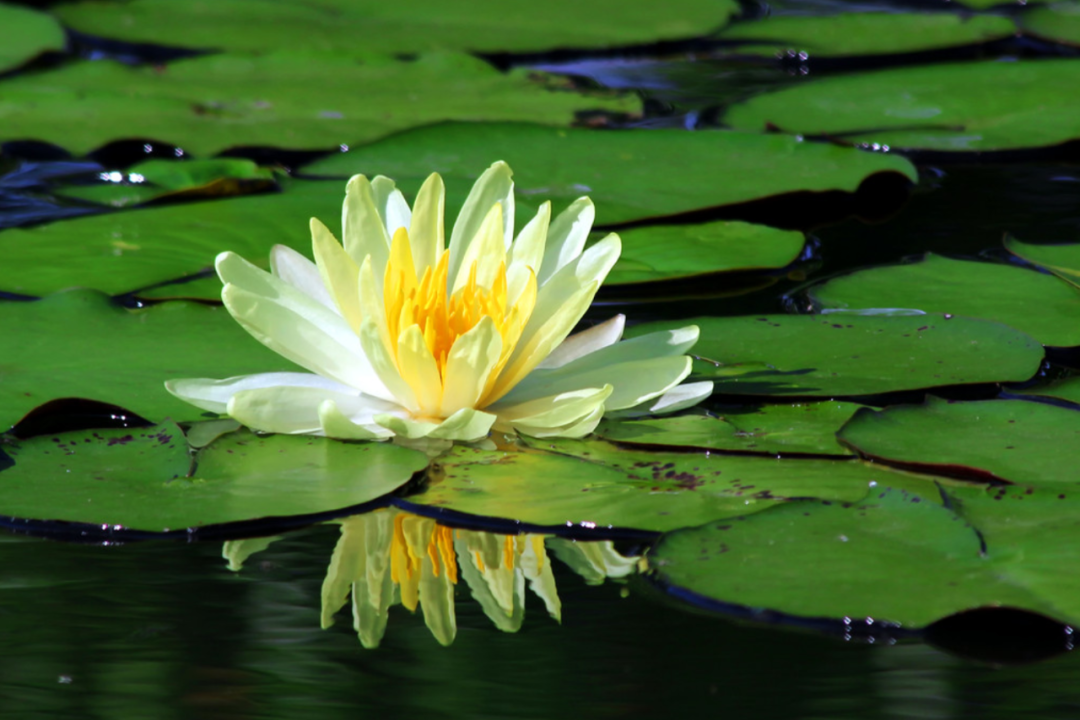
389	557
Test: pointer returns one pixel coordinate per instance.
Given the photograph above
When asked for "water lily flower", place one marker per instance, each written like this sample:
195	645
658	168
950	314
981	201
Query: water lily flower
407	335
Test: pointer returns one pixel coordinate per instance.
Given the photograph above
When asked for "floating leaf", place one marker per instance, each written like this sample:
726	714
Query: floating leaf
773	429
344	26
1013	440
137	478
157	178
846	354
1059	22
669	252
894	557
25	34
1062	260
1037	304
595	484
989	105
864	33
81	344
290	100
621	171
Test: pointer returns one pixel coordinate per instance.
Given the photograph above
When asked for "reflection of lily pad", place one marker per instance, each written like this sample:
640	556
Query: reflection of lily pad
1013	440
156	179
81	344
846	354
297	101
808	428
346	26
989	105
894	558
866	33
27	34
136	478
1034	303
589	484
668	252
618	170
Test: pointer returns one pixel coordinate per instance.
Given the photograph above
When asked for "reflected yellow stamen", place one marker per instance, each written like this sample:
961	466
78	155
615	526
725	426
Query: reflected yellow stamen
443	317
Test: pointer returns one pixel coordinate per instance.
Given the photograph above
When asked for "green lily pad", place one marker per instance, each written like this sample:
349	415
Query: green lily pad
671	252
1037	304
25	34
81	344
138	478
344	26
157	179
291	100
990	105
1059	22
623	172
803	428
864	33
590	483
121	252
894	557
1013	440
1062	260
842	354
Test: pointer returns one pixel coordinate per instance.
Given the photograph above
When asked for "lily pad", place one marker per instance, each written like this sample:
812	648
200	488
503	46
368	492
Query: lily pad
671	252
344	26
589	484
989	105
1032	302
893	558
138	478
1016	441
290	100
864	33
157	179
1062	260
1067	389
623	172
802	428
1059	22
82	344
26	34
843	354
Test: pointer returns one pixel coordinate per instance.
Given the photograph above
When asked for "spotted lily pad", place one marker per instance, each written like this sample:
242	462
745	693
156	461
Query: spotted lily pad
1012	440
302	101
1032	302
142	479
840	354
988	105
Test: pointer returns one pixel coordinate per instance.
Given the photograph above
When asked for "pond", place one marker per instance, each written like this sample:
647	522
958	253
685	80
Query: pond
869	212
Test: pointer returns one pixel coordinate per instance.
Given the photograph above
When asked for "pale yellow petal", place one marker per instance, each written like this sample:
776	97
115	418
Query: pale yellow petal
301	273
391	204
585	342
419	370
346	566
566	237
363	231
336	424
340	273
466	425
426	228
486	251
472	358
493	186
383	363
527	251
635	381
538	416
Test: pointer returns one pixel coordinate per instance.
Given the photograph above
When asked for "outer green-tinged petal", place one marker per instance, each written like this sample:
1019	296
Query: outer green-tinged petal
540	416
594	561
371	338
426	234
677	398
419	370
238	551
566	238
280	409
468	366
339	273
486	250
391	204
363	231
406	427
311	336
301	273
635	381
536	567
346	566
493	186
466	425
213	395
336	424
585	342
373	594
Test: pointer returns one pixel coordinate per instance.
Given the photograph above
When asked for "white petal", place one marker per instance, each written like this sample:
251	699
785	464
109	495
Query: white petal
301	273
585	342
213	395
566	237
